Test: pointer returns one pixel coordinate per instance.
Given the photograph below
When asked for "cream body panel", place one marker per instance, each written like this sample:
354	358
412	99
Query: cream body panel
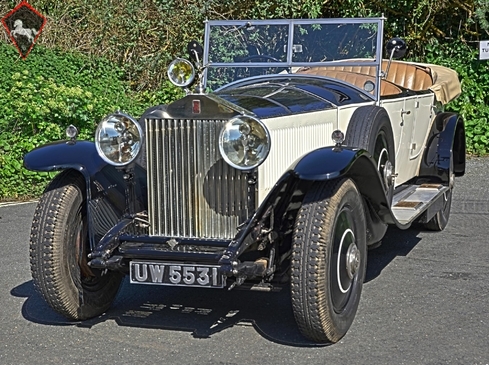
295	135
422	124
409	137
396	109
291	137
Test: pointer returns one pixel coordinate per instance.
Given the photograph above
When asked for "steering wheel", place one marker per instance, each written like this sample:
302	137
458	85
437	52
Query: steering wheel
242	72
260	56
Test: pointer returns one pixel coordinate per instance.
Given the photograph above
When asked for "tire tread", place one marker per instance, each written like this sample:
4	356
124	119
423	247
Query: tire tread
47	257
310	302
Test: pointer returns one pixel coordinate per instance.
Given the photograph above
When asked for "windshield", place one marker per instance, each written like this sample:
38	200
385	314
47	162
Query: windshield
238	49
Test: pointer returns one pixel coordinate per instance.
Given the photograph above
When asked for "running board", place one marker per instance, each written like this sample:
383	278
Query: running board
411	202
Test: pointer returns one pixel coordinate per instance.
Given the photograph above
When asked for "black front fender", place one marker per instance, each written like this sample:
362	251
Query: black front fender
286	196
108	196
327	163
331	163
62	155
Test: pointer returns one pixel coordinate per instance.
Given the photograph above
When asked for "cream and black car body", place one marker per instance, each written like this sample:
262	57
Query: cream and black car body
298	142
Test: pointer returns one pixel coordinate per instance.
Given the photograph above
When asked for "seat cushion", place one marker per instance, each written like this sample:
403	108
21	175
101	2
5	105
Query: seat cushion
406	75
354	78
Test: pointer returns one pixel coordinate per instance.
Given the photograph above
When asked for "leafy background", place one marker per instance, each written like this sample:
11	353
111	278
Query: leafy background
95	57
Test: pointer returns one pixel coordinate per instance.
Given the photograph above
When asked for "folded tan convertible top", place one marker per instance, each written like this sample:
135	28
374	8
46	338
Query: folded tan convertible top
446	85
443	81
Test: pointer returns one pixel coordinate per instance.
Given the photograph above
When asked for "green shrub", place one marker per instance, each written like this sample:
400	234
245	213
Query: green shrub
42	96
473	103
164	95
47	92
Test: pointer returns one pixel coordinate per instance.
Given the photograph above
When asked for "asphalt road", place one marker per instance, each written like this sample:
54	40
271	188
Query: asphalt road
425	301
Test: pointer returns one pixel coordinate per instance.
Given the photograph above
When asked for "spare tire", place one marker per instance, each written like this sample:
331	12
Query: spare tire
370	129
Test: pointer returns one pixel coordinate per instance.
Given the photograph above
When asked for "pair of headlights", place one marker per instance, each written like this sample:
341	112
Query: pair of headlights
244	141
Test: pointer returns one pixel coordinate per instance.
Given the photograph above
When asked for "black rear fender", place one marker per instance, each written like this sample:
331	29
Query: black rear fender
446	141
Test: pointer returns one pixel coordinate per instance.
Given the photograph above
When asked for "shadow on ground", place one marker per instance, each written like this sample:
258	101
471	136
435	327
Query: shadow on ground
395	243
204	312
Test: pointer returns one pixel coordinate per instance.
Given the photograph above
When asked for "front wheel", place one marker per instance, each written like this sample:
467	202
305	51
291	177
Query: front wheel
328	260
58	253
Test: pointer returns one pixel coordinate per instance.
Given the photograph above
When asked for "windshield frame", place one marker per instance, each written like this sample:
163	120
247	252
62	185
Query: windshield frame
289	63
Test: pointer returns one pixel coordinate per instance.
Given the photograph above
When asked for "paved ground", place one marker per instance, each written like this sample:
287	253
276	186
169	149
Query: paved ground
425	302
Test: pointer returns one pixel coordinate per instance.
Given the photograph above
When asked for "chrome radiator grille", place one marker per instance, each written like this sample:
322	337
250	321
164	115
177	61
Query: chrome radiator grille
192	191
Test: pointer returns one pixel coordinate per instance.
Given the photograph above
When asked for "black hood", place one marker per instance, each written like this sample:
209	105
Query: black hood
275	96
265	97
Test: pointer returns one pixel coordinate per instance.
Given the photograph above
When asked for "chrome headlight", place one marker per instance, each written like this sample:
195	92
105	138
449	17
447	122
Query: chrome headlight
118	139
181	72
244	142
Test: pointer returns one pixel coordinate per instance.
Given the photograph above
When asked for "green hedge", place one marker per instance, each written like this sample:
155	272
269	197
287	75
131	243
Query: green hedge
473	103
44	94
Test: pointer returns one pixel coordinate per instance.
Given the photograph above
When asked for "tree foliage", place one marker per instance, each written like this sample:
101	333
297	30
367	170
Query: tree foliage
144	36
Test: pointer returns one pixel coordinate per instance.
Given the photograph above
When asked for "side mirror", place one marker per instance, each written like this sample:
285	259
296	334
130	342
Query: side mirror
196	52
396	48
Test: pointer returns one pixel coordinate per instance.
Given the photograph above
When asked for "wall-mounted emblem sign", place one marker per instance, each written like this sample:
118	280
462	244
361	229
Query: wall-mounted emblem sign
24	25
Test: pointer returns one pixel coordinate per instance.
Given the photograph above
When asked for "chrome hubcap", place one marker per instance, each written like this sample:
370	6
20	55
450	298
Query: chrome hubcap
347	260
352	260
388	175
385	168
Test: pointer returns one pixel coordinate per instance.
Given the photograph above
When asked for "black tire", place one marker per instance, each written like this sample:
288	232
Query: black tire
370	129
440	219
58	253
325	294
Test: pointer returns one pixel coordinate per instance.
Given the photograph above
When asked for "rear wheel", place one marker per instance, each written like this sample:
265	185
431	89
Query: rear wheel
370	129
328	260
58	253
440	219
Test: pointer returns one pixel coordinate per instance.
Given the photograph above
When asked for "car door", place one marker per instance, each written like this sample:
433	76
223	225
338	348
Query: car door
402	115
421	124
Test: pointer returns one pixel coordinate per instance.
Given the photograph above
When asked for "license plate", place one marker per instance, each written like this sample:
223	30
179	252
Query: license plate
175	274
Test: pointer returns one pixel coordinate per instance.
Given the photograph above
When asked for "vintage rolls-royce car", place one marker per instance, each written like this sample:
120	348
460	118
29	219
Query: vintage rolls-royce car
298	142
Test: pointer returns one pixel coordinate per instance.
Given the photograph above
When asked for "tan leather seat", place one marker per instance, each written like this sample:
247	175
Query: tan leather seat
357	79
406	75
411	77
